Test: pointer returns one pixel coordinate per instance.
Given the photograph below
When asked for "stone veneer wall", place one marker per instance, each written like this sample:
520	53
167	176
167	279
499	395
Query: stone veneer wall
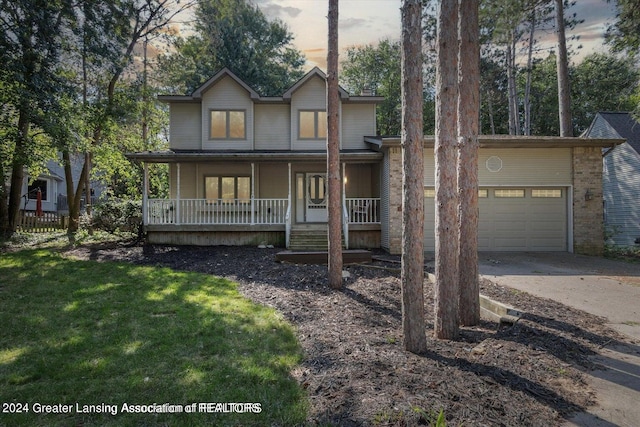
395	200
588	228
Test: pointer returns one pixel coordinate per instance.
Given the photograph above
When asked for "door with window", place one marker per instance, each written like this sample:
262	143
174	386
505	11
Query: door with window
316	197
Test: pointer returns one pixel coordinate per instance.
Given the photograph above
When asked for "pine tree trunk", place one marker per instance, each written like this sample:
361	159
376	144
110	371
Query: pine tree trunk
468	118
514	113
527	89
446	217
333	153
412	271
564	96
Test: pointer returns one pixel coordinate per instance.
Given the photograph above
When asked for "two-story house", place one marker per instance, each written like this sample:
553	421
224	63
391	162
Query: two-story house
247	169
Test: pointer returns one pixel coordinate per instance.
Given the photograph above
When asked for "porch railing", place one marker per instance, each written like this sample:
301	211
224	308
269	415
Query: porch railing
363	210
216	211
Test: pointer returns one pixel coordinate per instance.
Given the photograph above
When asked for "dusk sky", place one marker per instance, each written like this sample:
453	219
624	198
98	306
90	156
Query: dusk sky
364	22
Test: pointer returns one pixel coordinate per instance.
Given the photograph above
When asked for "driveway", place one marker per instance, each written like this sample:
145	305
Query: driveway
598	286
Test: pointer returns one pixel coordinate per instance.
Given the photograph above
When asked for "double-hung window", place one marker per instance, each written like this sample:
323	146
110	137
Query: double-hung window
227	124
227	189
312	124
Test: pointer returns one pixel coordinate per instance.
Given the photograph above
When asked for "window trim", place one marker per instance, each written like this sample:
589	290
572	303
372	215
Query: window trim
221	200
45	194
316	123
227	136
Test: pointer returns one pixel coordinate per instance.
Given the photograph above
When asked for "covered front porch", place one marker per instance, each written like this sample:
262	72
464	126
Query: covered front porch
259	198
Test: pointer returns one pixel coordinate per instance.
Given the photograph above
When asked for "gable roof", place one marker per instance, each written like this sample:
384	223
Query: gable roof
315	72
225	72
622	123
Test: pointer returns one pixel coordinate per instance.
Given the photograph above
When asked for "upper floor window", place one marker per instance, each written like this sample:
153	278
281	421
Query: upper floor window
227	124
313	124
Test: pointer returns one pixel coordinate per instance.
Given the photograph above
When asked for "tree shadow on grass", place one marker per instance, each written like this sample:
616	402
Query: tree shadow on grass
90	333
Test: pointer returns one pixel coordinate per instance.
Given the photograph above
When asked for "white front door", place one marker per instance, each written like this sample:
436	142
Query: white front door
316	197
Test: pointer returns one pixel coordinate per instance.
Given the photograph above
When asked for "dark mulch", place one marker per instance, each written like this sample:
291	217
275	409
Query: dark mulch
355	370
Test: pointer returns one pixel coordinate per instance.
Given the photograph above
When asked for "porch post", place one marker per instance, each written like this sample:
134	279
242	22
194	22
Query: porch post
289	212
177	193
253	193
145	194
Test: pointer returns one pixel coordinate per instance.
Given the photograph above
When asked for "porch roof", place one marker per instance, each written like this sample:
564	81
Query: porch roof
180	156
507	141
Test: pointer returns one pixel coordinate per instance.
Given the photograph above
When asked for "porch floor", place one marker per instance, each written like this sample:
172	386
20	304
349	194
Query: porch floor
352	256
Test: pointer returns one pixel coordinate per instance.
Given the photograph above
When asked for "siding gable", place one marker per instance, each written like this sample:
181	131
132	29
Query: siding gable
227	94
310	96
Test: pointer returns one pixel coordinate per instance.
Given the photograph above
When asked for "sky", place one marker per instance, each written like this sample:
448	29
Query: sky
363	22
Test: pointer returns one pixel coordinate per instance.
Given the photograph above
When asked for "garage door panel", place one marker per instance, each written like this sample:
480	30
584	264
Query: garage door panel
515	223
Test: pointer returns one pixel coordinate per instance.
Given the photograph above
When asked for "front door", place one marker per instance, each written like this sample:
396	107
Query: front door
316	197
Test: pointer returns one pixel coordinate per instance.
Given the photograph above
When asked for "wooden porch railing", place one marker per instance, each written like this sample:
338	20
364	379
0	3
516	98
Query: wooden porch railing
363	210
216	212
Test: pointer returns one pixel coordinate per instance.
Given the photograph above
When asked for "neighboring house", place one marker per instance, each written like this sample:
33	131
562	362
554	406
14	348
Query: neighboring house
53	188
247	169
621	176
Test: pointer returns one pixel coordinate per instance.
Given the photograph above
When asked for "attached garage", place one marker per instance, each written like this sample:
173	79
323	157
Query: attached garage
514	219
535	193
522	200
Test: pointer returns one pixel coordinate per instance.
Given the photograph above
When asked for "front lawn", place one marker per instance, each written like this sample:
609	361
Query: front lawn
95	340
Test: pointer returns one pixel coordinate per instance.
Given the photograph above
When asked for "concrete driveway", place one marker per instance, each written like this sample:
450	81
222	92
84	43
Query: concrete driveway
599	286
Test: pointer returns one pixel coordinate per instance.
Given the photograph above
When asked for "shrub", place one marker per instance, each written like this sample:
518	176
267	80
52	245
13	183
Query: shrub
118	215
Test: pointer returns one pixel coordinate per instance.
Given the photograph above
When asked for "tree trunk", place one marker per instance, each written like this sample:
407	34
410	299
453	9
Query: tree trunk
333	153
446	223
17	170
4	207
564	96
412	271
468	121
74	210
514	113
527	89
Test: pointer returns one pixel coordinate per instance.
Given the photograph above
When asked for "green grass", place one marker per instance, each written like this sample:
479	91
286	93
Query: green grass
88	333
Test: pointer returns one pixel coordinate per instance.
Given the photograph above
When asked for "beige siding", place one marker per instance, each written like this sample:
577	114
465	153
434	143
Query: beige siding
271	178
187	180
360	180
311	96
272	127
224	95
272	181
521	166
185	127
357	121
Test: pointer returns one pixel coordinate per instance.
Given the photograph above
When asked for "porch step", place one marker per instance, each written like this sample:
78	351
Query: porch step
309	239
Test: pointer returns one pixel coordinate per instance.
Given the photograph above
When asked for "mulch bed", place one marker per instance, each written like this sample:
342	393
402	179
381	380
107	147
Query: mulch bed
355	370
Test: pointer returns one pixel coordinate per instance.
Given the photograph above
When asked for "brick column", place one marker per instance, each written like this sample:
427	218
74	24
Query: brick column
395	200
588	228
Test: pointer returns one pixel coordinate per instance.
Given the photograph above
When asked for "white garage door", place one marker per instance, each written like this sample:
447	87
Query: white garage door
514	219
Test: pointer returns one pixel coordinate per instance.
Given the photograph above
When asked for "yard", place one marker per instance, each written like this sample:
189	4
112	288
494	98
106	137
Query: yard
100	341
118	323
